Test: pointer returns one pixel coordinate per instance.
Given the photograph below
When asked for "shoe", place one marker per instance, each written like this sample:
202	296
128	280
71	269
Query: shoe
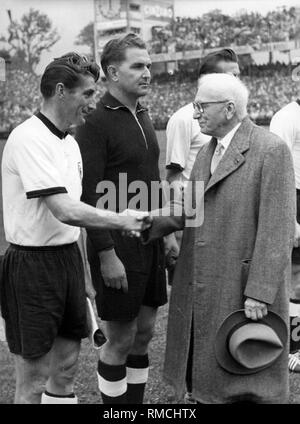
188	397
294	362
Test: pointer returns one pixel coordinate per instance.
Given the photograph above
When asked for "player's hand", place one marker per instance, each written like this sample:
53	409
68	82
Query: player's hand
297	235
171	254
90	291
113	271
254	309
140	221
171	250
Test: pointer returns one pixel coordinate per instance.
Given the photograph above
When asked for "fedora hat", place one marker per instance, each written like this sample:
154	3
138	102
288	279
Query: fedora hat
244	346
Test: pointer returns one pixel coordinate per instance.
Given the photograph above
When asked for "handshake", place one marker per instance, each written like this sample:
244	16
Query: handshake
133	222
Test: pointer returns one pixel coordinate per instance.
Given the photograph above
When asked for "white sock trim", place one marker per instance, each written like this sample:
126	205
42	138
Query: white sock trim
112	388
294	309
137	375
52	400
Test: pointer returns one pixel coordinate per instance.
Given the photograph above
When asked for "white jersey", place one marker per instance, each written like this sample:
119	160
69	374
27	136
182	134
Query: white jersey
184	140
38	160
286	124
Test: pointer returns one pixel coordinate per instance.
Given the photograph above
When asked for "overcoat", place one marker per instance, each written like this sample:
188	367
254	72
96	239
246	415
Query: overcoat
242	249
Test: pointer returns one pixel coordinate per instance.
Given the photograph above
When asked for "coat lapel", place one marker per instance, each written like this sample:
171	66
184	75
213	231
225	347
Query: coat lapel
202	168
233	157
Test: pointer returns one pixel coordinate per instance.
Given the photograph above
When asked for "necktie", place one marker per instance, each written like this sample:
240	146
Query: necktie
217	156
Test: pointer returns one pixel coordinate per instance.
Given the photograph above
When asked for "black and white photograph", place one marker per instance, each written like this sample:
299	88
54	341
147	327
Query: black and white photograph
150	205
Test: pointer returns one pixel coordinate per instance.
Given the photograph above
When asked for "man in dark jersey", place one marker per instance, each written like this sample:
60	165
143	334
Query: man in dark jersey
119	146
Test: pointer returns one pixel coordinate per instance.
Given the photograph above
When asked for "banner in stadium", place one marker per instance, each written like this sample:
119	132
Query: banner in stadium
158	10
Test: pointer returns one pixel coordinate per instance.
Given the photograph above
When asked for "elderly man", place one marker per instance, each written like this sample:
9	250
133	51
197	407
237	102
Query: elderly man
240	256
184	137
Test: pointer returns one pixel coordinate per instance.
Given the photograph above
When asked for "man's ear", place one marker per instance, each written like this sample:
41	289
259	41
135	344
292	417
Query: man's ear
60	90
230	110
112	72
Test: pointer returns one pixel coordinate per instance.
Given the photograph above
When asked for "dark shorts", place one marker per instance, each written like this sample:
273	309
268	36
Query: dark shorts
145	271
296	250
42	296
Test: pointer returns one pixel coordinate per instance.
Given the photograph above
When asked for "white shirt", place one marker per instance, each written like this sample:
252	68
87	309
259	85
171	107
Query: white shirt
225	141
36	163
184	140
286	124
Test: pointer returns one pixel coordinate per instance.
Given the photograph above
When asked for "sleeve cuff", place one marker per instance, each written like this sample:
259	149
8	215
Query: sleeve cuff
100	239
45	192
175	166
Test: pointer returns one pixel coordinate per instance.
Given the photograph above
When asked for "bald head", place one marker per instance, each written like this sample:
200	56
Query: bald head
216	87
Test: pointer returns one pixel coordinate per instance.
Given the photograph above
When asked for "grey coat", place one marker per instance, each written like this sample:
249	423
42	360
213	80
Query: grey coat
243	249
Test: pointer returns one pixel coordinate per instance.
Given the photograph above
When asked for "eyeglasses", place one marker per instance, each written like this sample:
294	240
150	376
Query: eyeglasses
200	107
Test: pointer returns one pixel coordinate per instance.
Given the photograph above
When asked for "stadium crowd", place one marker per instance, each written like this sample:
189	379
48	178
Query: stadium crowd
216	29
19	98
270	86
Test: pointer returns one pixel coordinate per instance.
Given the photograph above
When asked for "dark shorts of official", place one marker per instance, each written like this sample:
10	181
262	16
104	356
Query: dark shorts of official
42	296
145	271
296	250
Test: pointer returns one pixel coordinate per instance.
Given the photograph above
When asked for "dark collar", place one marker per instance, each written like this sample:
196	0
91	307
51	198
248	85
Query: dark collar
110	102
298	101
60	134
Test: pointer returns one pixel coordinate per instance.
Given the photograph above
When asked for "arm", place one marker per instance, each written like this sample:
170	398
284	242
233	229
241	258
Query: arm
93	147
78	214
280	125
178	146
164	222
276	224
173	174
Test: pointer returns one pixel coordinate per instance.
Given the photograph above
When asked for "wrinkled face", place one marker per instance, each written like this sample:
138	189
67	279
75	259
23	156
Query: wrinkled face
229	68
211	112
80	101
133	74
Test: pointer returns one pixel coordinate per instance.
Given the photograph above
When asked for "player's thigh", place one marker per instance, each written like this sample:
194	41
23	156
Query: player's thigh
146	318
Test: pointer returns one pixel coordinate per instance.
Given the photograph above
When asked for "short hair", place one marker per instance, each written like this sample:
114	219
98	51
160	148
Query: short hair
226	86
114	50
67	69
210	63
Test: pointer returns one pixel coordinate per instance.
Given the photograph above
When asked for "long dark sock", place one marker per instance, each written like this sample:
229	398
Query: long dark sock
137	376
112	382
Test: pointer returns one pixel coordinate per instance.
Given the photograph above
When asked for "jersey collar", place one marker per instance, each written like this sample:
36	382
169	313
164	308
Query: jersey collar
110	102
60	134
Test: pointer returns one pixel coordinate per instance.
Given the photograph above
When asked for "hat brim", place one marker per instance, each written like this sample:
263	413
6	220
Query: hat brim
223	356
